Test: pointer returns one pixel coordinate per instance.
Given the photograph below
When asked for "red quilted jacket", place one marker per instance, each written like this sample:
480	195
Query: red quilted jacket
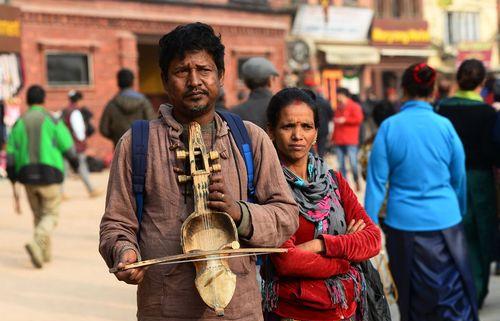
301	288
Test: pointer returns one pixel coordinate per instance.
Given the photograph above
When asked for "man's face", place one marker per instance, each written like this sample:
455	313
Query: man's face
192	84
393	97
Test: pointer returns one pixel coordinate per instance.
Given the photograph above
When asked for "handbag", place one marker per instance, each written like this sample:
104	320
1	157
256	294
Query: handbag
378	307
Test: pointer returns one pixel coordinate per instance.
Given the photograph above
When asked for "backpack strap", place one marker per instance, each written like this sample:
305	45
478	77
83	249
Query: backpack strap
140	138
242	139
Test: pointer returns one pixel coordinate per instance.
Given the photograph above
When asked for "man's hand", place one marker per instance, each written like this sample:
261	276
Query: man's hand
72	158
355	226
222	201
339	120
132	276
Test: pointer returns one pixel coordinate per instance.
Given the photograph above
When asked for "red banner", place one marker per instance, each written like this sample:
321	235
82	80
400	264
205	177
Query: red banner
479	51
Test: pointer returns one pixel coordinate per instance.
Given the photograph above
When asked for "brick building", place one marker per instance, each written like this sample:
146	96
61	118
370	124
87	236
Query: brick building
400	34
81	44
359	44
463	29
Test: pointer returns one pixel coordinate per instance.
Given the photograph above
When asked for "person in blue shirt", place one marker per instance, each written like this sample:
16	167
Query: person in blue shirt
418	159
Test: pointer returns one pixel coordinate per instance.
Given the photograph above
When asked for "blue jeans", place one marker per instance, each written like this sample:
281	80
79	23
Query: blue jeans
352	152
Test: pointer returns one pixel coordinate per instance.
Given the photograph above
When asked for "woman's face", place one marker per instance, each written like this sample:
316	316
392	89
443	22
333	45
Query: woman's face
295	132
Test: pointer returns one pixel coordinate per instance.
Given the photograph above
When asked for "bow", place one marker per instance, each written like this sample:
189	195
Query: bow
199	256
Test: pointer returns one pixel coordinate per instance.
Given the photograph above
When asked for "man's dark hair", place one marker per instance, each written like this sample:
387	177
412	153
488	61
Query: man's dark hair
191	37
76	96
470	74
125	78
254	84
287	97
381	111
35	95
343	91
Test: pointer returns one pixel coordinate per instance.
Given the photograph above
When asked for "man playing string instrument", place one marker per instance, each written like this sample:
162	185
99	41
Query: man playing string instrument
192	70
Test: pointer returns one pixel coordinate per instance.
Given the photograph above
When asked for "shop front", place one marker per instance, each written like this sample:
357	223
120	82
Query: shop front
340	54
400	43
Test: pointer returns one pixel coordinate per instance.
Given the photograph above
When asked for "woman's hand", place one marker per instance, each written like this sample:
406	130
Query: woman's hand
318	245
355	226
315	246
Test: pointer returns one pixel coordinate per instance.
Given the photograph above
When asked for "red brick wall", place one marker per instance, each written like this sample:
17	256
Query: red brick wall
109	36
103	47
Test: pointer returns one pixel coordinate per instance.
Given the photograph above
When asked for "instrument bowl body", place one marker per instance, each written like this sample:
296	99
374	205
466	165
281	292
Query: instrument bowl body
205	232
208	231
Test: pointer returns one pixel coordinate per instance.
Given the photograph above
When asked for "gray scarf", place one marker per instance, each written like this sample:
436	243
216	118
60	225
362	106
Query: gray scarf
319	197
320	203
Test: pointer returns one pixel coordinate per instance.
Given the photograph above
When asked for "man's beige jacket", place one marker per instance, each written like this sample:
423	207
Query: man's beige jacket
168	292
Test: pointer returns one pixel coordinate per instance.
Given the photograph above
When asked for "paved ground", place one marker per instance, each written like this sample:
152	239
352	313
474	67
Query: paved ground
76	285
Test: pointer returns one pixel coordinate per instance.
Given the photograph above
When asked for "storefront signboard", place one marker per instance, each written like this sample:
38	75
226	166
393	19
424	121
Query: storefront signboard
343	24
475	50
390	32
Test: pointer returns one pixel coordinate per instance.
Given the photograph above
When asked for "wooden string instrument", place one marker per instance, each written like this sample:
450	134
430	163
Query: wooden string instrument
207	230
208	238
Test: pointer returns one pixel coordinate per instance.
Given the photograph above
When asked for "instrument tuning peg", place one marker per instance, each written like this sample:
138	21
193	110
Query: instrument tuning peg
216	167
181	154
235	245
184	178
214	155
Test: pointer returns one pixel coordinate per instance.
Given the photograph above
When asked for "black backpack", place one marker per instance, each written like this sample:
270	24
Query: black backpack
87	115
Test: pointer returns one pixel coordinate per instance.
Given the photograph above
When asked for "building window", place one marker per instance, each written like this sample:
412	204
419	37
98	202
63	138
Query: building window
67	69
461	27
398	9
379	8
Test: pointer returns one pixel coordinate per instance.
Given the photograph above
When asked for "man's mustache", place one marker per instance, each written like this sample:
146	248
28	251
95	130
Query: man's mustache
195	92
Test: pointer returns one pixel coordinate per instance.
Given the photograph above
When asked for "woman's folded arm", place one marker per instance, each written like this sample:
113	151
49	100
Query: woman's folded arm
358	246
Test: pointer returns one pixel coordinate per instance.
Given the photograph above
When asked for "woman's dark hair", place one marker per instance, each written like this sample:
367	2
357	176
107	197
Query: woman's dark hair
191	37
418	80
125	78
470	74
343	91
35	95
285	98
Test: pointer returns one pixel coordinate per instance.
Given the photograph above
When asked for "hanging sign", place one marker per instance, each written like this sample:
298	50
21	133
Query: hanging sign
475	50
345	24
10	29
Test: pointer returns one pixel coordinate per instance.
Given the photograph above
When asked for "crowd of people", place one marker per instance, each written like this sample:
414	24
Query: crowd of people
428	163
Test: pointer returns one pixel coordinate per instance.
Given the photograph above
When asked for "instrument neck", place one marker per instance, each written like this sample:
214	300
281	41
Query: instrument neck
200	192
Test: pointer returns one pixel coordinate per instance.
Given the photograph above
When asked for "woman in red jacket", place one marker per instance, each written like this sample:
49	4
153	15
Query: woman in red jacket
317	279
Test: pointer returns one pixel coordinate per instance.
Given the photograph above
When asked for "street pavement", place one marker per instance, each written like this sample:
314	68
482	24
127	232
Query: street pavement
76	285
